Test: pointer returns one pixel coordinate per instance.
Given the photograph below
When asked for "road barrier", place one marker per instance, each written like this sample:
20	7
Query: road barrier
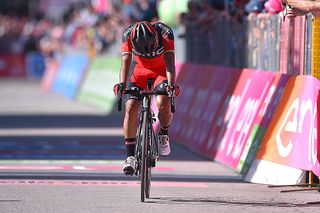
291	138
12	66
97	87
69	75
246	123
261	122
35	65
31	65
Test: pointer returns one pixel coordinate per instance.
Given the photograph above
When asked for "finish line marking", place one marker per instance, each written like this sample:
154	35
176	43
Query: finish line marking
74	168
101	183
61	131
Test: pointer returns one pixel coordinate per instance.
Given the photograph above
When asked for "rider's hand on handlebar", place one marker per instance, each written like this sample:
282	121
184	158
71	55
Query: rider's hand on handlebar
119	89
173	90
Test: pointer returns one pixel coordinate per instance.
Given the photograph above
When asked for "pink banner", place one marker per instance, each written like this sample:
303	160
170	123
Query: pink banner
243	106
291	137
187	81
221	110
222	85
199	102
262	121
272	99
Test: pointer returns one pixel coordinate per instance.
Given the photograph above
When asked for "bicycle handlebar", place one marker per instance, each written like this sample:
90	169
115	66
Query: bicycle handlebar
145	93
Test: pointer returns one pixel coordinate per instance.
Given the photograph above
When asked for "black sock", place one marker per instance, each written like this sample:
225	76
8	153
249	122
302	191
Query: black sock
130	144
164	130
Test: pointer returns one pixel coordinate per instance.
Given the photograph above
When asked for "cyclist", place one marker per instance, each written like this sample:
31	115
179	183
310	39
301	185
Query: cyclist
147	52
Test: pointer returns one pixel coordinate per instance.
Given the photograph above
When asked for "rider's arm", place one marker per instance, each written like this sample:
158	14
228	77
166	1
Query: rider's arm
125	67
170	67
126	57
169	56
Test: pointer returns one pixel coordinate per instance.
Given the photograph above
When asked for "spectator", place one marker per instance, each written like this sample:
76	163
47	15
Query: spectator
193	13
103	37
143	10
255	6
299	8
273	6
237	11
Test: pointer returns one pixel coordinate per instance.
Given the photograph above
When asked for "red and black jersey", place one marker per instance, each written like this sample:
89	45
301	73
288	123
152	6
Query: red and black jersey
156	58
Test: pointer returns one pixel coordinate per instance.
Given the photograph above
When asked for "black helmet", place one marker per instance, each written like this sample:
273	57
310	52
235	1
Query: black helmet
144	38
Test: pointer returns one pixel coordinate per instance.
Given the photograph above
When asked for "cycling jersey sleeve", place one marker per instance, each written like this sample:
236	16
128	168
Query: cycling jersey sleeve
126	41
168	38
126	47
168	45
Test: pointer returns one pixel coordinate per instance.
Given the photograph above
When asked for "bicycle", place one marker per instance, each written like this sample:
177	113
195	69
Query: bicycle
146	152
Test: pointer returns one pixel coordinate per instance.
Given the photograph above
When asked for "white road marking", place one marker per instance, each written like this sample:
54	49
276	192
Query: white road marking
61	131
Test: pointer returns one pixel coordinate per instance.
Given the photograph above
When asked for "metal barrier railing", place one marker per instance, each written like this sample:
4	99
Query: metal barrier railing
308	46
264	43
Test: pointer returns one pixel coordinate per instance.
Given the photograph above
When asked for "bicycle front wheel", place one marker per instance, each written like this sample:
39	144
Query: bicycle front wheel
152	152
144	152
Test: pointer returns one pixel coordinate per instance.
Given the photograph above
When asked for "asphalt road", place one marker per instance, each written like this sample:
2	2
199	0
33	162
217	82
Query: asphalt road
58	155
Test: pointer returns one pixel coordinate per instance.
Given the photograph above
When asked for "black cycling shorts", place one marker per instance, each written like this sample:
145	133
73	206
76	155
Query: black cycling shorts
162	87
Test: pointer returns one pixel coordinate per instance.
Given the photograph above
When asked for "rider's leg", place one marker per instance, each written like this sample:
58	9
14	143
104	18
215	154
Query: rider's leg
130	125
165	114
130	128
165	118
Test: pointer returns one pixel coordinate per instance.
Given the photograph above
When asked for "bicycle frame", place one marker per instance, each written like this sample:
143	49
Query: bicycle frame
147	147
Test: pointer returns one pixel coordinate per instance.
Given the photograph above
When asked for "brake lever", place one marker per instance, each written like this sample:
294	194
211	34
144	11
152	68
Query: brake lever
119	96
171	93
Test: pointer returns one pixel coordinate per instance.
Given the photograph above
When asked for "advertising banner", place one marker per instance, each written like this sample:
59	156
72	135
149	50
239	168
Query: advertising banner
69	75
35	65
12	66
203	90
188	82
262	121
216	91
242	109
97	87
291	138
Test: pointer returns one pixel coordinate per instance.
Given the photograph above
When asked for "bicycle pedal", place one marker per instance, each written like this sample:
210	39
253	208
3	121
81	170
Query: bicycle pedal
128	173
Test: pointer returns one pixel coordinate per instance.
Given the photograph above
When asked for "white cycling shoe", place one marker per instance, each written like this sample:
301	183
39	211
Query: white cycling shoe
164	145
129	167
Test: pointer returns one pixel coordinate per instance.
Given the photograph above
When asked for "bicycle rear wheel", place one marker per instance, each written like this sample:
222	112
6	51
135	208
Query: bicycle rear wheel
144	155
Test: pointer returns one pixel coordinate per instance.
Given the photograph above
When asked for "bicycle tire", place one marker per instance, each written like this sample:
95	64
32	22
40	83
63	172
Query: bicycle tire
149	160
138	152
144	135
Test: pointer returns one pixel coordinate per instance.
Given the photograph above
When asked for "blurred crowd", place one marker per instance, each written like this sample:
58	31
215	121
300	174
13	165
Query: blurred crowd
211	11
85	28
82	27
